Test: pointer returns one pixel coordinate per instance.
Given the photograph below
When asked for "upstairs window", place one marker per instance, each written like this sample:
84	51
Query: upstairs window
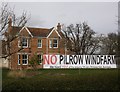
39	43
23	43
53	43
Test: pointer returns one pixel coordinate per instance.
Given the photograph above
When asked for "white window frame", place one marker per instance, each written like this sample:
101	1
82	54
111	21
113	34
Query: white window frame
39	43
19	59
57	43
25	59
20	43
50	43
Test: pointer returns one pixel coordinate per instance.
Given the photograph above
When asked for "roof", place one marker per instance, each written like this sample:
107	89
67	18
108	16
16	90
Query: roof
15	30
61	34
42	32
36	32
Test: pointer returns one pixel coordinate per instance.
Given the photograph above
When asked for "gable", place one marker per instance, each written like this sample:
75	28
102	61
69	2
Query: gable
25	32
54	34
37	32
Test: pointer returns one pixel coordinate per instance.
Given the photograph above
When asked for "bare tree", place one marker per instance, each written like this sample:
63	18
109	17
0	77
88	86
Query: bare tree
118	39
111	43
8	20
81	39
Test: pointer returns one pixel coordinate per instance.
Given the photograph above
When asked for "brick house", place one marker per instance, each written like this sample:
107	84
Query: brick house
34	41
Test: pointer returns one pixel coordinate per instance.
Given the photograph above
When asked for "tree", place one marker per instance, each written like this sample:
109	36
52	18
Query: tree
7	18
118	39
34	61
118	50
111	43
81	39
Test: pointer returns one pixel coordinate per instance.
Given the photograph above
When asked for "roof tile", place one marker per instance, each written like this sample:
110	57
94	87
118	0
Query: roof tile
37	32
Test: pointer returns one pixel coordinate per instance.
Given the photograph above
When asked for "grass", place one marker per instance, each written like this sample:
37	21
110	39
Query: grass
62	79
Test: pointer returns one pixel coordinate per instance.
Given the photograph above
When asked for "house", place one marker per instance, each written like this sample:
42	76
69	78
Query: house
29	41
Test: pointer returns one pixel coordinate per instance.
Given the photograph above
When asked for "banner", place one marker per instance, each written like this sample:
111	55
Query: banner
79	61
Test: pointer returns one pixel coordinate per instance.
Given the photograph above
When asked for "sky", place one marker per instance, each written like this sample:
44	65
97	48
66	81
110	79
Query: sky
102	17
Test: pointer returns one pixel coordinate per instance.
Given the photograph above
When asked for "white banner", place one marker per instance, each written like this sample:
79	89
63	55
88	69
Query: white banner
79	61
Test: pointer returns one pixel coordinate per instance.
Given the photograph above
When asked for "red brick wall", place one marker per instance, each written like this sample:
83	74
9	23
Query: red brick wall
32	49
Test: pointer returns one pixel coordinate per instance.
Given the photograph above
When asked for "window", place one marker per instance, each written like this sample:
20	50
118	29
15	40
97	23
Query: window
39	43
53	43
24	59
50	43
18	59
39	58
23	42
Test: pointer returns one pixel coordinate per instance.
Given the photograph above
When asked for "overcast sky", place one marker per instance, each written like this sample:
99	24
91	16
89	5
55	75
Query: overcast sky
101	16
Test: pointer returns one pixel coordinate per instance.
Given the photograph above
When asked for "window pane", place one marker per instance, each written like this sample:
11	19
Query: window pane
39	45
24	41
39	58
39	40
54	45
54	41
18	59
24	59
24	62
18	56
24	44
23	56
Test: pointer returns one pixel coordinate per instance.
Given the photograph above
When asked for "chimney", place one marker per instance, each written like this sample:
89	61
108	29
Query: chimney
59	27
10	24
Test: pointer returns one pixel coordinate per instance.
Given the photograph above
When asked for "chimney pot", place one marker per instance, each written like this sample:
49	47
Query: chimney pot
59	27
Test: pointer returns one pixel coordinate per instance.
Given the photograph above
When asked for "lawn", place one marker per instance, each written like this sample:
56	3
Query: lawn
60	79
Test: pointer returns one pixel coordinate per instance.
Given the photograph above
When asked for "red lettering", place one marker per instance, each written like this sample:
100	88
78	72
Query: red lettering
55	59
49	59
45	59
